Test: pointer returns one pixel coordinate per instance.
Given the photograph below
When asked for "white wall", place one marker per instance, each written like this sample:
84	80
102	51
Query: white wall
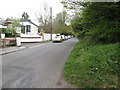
30	38
36	38
47	36
34	29
53	35
29	35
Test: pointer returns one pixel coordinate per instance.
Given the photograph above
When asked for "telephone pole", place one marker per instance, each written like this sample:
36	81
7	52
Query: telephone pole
51	21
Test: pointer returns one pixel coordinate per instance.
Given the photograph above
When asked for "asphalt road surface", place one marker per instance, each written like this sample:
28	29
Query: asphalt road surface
36	67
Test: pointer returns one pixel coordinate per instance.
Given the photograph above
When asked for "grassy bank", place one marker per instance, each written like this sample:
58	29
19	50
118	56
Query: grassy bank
93	65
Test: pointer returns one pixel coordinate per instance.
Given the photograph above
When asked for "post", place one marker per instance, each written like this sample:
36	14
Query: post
51	21
17	36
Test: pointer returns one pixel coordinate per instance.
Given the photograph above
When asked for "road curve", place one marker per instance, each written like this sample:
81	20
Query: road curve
36	67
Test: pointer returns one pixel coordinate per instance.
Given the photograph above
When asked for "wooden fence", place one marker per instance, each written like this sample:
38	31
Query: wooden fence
7	42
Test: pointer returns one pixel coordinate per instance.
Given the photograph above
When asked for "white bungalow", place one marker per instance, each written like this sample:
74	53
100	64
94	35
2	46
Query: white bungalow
29	32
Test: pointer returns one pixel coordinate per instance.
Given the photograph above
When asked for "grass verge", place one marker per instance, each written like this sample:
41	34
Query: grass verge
92	65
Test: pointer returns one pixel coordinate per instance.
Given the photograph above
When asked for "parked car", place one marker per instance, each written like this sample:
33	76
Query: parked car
63	36
66	38
58	38
69	37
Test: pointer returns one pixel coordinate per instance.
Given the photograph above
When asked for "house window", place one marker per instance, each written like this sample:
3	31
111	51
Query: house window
28	28
23	29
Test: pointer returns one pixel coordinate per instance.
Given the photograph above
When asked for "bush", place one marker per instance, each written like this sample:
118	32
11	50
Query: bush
2	30
107	32
9	34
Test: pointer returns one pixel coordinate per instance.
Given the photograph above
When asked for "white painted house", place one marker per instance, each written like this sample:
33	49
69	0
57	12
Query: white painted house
29	32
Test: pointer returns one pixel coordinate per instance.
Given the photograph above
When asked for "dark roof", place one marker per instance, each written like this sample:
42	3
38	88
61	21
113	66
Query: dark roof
3	24
6	22
24	20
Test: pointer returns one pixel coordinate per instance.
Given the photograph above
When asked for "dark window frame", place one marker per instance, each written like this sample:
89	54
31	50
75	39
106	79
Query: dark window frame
23	29
28	28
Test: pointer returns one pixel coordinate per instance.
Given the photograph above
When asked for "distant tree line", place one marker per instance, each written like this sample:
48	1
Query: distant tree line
60	24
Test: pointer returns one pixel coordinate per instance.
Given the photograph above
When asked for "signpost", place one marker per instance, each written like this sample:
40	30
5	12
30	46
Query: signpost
51	21
18	38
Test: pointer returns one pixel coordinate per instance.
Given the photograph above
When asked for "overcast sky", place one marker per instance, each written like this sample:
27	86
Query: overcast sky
15	8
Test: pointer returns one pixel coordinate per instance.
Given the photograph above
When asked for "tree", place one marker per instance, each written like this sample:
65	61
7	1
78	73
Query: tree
59	24
98	20
101	20
25	16
44	17
11	29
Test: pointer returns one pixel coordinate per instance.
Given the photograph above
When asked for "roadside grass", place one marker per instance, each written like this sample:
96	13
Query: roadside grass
93	65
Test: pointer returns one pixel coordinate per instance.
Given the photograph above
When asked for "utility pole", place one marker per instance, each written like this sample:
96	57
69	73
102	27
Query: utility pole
51	21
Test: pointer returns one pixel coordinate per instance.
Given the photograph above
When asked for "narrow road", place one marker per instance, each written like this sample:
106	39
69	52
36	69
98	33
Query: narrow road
36	67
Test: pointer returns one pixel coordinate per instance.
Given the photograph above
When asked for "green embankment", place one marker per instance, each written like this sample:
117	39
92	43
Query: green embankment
93	65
